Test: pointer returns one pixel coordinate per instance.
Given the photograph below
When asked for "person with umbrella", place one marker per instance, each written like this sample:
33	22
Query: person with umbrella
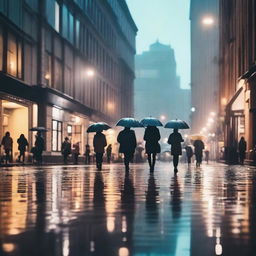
199	147
39	147
175	140
127	139
152	136
99	141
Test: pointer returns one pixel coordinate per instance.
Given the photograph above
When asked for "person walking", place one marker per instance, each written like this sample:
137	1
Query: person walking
152	136
242	149
189	153
175	140
99	144
127	140
22	145
207	154
87	154
66	150
76	152
39	147
109	153
199	147
7	143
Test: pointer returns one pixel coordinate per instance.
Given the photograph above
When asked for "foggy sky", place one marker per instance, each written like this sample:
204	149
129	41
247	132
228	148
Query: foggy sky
168	21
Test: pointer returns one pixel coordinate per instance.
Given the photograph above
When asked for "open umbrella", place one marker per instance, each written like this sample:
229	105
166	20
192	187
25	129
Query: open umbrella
129	122
151	121
176	124
38	129
97	127
197	137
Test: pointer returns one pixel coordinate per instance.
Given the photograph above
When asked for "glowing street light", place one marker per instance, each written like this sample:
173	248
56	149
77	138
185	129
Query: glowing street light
207	21
162	117
193	109
90	73
213	113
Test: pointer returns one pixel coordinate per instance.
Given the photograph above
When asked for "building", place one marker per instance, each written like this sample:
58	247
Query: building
157	90
204	64
237	75
64	64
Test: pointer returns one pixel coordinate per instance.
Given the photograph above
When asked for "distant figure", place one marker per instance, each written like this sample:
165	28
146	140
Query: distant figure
22	145
7	143
199	147
76	152
66	149
189	153
109	153
139	149
87	154
175	140
152	136
99	143
127	140
39	147
207	153
242	149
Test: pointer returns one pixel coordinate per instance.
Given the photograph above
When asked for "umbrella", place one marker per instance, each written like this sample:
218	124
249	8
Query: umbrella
197	137
151	121
176	124
97	127
129	122
38	129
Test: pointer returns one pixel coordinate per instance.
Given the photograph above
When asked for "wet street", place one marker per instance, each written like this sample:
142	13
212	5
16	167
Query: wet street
76	210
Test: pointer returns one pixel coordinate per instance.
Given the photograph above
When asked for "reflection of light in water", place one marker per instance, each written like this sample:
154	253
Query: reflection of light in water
124	224
110	224
92	246
8	247
218	249
124	239
65	249
218	233
123	251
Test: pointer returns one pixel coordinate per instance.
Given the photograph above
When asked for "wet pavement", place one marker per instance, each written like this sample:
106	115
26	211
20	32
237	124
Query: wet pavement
76	210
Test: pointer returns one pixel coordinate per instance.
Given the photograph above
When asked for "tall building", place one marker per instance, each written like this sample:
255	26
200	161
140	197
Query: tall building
157	86
237	75
204	63
64	64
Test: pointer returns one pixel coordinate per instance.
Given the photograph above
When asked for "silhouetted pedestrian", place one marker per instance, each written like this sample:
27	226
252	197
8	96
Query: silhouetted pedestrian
152	136
199	147
76	152
87	154
22	146
39	147
127	140
175	140
189	153
7	143
242	149
207	154
109	153
99	143
66	149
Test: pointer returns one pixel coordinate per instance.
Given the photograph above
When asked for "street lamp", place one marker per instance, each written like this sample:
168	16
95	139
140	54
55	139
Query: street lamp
208	21
193	109
90	73
162	117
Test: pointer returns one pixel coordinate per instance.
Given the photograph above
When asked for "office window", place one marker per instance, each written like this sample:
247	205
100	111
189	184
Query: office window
48	69
14	57
57	17
77	33
56	135
71	28
1	49
58	75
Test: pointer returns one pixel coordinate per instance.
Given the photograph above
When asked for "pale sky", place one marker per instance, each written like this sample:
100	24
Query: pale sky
168	21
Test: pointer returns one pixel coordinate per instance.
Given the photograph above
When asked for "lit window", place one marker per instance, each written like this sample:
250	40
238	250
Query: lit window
56	135
57	17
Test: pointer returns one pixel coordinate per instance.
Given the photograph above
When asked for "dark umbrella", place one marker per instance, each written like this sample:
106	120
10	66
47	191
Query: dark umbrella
97	127
129	122
151	121
38	129
176	124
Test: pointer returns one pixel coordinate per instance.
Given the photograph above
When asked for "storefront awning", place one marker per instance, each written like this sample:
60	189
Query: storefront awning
237	101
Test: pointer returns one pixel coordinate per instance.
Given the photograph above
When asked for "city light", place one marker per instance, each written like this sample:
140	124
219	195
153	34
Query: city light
193	109
90	73
208	21
162	117
213	113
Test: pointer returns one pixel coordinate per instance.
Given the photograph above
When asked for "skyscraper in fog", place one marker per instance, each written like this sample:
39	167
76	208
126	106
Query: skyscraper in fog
157	85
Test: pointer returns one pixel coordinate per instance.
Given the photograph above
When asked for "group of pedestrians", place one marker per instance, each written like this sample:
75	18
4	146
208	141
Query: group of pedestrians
66	150
198	151
37	150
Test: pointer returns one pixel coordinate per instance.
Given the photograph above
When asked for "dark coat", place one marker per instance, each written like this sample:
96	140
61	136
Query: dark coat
152	136
99	142
199	147
175	140
127	140
242	146
189	151
66	148
39	144
23	143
